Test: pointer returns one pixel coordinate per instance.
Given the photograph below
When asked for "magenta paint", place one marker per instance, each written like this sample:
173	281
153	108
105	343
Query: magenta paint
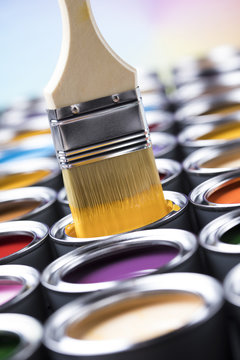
9	289
125	265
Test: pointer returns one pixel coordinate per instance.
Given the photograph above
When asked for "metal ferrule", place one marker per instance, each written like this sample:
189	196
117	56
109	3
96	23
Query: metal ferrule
28	330
26	275
57	340
185	242
191	113
199	195
99	129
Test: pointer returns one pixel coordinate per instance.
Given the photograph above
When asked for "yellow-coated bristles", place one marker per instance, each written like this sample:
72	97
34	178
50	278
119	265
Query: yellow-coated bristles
115	195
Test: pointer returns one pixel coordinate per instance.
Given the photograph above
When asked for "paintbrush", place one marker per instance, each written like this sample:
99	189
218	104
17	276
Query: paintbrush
100	134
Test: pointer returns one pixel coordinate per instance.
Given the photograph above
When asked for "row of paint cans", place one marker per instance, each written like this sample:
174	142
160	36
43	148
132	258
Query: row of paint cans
20	291
226	131
105	264
21	338
156	317
63	233
220	60
216	197
208	85
26	243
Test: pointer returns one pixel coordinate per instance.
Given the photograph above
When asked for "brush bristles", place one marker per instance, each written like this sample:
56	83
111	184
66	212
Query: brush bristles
115	195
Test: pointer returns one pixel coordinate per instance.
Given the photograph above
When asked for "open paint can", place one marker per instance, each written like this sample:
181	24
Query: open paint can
220	244
20	337
203	164
170	173
63	236
20	291
30	172
160	121
101	266
215	197
153	317
201	136
25	242
208	108
30	203
164	145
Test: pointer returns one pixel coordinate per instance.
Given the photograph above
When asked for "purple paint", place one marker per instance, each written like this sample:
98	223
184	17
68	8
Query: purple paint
157	149
125	265
9	289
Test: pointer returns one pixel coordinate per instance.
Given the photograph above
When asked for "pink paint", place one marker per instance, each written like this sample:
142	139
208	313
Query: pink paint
9	289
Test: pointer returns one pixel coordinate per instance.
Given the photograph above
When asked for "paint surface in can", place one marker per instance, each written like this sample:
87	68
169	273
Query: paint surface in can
157	149
13	210
9	344
162	175
13	181
11	243
9	289
232	236
229	193
135	262
138	319
227	131
223	109
229	161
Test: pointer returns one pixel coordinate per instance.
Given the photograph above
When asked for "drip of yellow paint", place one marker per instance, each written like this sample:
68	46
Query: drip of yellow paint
228	131
13	181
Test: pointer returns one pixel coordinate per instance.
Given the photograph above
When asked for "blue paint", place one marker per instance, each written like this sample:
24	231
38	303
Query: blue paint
18	153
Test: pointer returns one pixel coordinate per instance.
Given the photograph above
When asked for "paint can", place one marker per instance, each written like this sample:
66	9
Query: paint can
232	295
164	145
101	266
160	121
25	242
31	203
150	82
63	243
171	175
154	101
30	172
208	109
219	241
196	137
20	291
215	197
21	337
209	85
203	164
176	311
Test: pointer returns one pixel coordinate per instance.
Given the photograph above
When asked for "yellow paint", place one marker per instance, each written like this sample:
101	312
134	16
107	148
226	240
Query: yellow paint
228	161
141	319
227	131
13	181
223	109
26	134
115	195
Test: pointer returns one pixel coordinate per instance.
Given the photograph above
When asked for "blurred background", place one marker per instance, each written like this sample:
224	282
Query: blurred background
152	34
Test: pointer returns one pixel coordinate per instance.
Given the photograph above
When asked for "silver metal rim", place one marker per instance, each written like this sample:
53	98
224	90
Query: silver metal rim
37	230
58	235
210	235
28	276
28	329
56	339
168	142
198	195
172	168
184	241
43	194
231	286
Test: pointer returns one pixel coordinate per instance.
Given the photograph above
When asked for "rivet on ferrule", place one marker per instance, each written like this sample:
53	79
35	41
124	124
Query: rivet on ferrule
75	109
115	98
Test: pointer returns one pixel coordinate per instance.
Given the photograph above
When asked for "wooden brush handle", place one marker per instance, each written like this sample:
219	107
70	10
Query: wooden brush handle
87	67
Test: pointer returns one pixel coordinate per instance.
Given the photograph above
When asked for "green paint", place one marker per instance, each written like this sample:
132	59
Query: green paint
232	236
8	344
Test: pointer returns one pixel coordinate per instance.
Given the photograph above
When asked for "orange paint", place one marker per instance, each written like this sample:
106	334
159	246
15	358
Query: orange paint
229	193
